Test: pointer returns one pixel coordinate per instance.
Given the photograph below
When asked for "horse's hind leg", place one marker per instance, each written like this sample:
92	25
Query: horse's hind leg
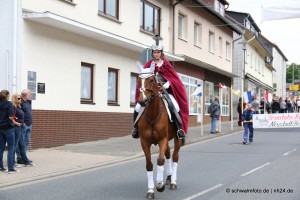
169	165
177	144
149	167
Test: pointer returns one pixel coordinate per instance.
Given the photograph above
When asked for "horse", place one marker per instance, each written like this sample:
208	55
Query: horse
154	127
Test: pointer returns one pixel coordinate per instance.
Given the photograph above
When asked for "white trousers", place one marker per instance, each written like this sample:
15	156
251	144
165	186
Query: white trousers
138	106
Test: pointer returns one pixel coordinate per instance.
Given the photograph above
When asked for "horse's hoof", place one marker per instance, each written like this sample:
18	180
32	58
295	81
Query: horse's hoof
160	187
173	186
150	195
168	180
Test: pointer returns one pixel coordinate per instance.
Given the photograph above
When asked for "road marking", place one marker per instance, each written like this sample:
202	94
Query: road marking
289	152
203	192
253	170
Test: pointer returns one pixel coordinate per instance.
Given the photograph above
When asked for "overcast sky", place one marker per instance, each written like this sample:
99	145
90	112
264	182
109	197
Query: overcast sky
284	33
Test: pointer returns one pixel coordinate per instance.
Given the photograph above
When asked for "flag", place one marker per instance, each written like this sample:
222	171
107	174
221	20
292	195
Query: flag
247	96
236	92
268	97
280	11
198	91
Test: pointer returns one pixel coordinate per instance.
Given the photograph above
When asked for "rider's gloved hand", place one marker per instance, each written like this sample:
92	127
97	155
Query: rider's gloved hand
166	85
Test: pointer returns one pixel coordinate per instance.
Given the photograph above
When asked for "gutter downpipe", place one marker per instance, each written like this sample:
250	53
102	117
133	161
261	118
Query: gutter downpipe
231	118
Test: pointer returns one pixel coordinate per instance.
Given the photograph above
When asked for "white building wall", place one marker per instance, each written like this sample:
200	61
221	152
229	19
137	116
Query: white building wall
186	46
10	40
56	57
280	73
127	26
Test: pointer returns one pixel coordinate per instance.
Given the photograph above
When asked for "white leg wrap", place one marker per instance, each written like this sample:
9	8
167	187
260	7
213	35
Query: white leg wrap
160	174
150	180
174	173
169	167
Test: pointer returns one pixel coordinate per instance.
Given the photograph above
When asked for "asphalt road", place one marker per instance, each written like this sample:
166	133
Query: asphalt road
221	168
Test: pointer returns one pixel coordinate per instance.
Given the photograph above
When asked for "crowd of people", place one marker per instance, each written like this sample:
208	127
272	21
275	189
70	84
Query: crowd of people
15	130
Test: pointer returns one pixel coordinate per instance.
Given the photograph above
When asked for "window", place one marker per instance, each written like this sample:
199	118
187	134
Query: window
86	91
263	69
112	87
190	84
220	46
228	51
225	102
222	9
181	26
208	95
109	7
133	82
217	6
197	34
259	67
211	42
150	17
256	61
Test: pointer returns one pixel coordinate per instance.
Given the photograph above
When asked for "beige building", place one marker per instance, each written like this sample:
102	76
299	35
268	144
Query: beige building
78	57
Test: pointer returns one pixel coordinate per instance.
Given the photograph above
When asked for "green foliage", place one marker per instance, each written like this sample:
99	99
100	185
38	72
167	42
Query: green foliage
289	72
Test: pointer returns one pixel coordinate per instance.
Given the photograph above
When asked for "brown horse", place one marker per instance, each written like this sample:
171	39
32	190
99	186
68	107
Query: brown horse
154	127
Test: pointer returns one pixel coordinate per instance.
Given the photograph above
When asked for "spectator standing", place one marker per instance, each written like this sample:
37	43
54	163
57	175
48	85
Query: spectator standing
275	106
19	122
7	134
26	129
282	106
239	110
255	105
215	112
262	106
298	105
289	106
248	123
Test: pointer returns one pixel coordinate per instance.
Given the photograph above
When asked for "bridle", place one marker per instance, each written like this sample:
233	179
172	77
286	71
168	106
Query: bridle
152	96
142	89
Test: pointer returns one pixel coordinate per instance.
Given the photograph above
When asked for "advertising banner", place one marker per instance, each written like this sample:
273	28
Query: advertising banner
281	120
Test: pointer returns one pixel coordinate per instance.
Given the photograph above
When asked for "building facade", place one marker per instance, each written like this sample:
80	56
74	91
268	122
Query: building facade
78	58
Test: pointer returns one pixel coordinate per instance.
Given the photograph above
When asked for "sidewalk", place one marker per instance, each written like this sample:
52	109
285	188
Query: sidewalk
56	161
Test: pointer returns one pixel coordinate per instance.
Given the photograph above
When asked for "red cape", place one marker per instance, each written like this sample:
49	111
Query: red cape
177	89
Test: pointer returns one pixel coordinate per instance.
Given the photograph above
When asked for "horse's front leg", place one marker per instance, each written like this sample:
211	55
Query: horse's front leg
149	166
177	144
160	186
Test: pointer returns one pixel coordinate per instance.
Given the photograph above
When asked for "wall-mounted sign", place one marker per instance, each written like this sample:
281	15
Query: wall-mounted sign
41	88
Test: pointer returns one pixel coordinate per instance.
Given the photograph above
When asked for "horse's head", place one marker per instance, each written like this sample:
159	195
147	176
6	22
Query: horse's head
147	85
148	88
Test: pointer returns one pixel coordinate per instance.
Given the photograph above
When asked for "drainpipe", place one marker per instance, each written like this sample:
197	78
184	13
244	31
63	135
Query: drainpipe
173	34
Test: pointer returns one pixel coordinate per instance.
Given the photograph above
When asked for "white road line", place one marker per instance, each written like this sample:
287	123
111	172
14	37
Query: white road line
203	192
253	170
287	153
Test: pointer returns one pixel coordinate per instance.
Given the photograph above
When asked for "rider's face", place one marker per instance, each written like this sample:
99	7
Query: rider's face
156	54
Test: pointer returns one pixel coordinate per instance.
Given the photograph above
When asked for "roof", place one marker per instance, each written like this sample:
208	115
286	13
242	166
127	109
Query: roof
240	17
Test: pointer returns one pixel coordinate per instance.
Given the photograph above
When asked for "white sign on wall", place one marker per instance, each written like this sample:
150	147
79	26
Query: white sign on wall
282	120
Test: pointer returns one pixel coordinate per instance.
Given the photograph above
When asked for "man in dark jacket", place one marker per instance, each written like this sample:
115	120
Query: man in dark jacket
214	110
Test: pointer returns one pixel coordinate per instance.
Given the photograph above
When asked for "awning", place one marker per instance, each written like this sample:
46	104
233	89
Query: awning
208	66
257	81
59	22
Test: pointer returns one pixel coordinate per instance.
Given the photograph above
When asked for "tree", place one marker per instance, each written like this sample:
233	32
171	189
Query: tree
289	72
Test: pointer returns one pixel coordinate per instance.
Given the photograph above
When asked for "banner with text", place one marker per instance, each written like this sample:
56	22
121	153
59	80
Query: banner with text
282	120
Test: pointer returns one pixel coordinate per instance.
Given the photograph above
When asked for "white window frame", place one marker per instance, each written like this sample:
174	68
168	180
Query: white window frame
196	34
191	88
220	47
225	100
210	87
211	41
228	51
181	26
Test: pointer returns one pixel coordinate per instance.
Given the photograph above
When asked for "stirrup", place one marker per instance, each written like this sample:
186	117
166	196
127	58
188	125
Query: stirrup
135	133
180	134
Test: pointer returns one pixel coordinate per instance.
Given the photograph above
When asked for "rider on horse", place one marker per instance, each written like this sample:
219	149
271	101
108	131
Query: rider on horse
173	86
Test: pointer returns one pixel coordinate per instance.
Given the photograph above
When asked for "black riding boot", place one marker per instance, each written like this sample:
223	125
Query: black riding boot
180	133
135	133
